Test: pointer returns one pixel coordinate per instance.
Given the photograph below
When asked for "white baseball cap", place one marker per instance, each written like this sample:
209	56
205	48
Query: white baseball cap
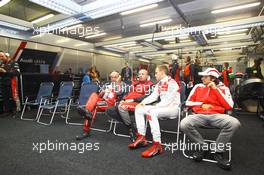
174	57
210	71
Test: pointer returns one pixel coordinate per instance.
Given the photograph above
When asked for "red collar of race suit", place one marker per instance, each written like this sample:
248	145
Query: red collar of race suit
164	84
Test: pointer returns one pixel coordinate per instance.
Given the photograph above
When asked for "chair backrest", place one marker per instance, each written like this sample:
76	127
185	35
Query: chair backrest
86	90
183	90
65	91
45	90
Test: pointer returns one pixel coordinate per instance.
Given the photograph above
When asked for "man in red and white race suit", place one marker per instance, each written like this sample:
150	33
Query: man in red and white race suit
209	101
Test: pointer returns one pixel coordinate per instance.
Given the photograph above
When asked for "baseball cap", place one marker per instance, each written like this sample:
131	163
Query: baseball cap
210	71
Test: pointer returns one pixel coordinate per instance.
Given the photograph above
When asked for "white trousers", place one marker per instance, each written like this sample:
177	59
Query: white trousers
153	113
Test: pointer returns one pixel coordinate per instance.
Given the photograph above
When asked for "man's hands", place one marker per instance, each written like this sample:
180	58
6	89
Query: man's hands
212	85
126	101
206	106
140	105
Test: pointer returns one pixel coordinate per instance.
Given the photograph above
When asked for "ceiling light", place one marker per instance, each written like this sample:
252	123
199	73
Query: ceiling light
67	7
4	2
96	35
143	60
226	48
227	36
82	44
43	18
185	41
170	37
105	8
71	27
139	9
14	26
232	31
112	38
133	43
116	50
235	8
59	25
156	22
63	40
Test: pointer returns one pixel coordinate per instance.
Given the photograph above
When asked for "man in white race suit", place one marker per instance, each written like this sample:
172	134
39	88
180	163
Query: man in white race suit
167	95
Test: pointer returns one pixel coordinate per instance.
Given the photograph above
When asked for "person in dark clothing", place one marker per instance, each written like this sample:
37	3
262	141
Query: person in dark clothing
175	69
256	69
196	69
126	74
9	71
188	74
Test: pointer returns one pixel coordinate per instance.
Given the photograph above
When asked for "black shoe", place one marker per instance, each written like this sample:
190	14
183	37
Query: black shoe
83	136
222	162
132	135
84	112
199	155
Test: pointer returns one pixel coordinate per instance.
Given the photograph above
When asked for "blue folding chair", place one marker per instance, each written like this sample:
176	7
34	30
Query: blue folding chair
45	91
86	90
63	101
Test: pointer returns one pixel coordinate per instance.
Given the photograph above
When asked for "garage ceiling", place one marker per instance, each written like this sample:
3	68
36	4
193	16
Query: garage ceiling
181	12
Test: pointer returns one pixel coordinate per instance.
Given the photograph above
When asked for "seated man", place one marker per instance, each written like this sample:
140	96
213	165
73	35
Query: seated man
138	90
107	96
209	101
167	90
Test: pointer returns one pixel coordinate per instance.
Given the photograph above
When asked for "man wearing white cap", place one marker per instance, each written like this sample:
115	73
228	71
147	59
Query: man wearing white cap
209	101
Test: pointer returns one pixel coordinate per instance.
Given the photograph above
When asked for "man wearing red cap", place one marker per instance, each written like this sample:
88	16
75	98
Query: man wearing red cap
209	101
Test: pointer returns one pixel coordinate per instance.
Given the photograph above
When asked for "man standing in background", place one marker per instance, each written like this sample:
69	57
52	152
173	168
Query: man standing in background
9	71
126	74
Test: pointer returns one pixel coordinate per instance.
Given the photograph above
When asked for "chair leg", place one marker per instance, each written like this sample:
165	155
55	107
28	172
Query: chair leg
102	130
205	160
23	111
117	134
68	110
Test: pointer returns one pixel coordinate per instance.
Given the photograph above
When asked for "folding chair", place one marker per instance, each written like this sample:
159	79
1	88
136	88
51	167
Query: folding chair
63	101
86	90
45	91
206	140
115	122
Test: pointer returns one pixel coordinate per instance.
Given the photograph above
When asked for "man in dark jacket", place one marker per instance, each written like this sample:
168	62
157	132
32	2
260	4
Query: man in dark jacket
126	74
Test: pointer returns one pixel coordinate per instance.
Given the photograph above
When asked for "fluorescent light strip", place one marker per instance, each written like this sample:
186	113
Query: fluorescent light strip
114	49
227	36
63	40
236	8
122	44
4	2
72	27
67	7
82	44
43	18
112	38
116	7
59	25
140	9
156	22
14	26
96	35
170	37
232	31
143	60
